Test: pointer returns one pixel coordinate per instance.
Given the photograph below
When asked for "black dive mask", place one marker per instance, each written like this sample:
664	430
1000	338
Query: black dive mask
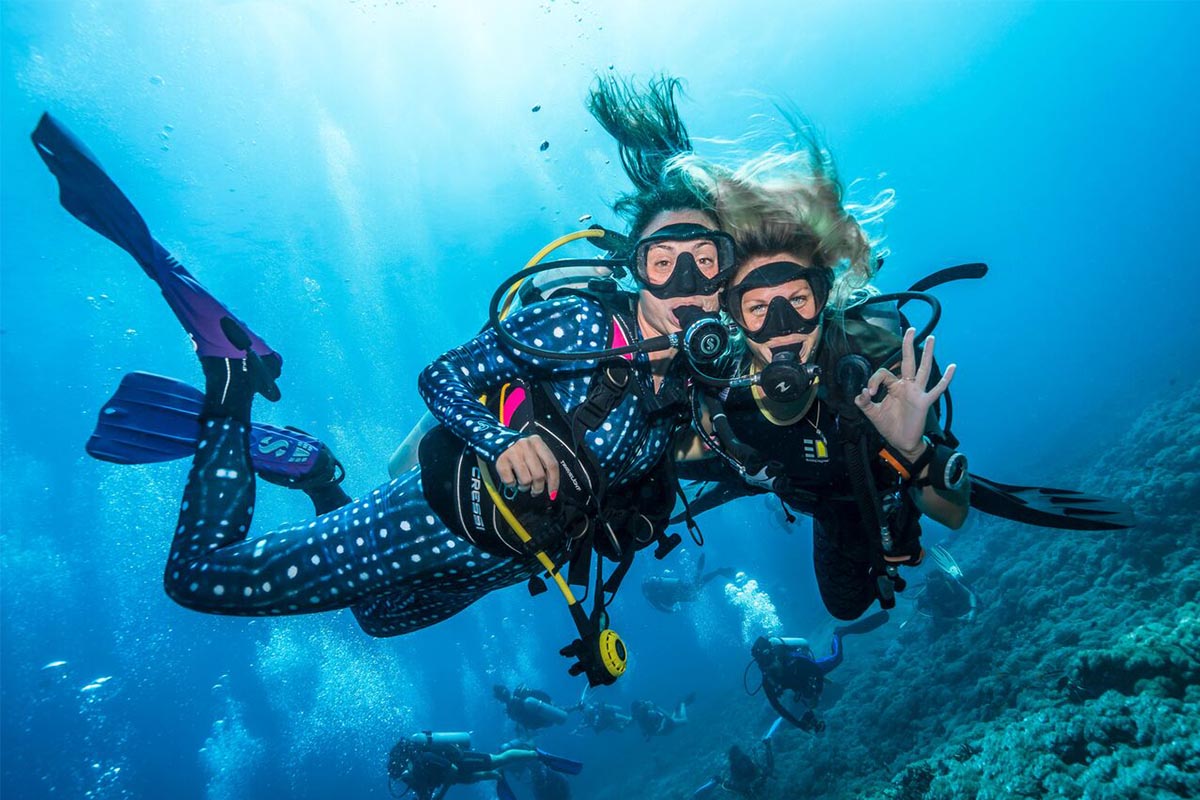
781	318
665	262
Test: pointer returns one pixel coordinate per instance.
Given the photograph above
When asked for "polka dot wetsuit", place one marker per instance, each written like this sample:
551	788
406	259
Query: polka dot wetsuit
387	555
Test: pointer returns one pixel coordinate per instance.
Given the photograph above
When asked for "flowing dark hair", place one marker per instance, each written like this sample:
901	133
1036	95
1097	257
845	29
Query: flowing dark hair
649	132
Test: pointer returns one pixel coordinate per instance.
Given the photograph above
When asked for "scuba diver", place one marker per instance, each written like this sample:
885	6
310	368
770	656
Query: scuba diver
601	717
747	776
548	784
544	782
792	675
833	409
946	596
654	720
555	424
529	709
668	594
428	764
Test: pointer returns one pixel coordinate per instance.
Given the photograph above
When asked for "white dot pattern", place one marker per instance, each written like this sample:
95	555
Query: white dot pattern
630	442
389	558
283	572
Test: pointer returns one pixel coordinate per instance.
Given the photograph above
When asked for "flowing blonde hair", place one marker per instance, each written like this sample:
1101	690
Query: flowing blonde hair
790	200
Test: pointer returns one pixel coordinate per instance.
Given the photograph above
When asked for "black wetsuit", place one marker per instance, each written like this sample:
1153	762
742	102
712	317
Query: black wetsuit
813	453
432	769
790	671
747	777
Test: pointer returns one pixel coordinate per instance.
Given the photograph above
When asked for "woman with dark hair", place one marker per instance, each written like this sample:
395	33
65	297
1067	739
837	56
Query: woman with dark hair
568	450
650	133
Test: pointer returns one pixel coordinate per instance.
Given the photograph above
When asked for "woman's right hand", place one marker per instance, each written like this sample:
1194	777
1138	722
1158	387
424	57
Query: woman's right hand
529	465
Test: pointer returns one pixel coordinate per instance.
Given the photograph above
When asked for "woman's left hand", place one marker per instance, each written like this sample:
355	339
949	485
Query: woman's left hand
900	415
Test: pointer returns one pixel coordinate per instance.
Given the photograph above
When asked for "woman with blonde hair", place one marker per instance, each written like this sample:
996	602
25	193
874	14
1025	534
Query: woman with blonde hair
833	407
802	422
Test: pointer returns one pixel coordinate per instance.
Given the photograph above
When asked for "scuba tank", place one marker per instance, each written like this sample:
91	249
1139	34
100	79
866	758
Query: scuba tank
431	738
537	713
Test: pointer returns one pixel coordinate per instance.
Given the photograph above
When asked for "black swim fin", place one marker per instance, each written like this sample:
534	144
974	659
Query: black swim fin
152	418
1049	508
709	494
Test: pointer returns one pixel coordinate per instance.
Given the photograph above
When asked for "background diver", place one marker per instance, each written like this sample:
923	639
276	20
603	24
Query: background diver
600	717
946	596
529	709
543	782
791	675
654	720
668	593
428	764
747	776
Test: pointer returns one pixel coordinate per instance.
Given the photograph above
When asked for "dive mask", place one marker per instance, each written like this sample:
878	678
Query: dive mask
781	318
684	260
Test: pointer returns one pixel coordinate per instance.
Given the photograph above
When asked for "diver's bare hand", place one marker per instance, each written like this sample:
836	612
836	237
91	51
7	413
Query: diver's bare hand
529	465
900	415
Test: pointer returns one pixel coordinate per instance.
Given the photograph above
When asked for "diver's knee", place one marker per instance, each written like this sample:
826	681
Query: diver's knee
377	624
379	631
366	621
189	595
251	596
375	629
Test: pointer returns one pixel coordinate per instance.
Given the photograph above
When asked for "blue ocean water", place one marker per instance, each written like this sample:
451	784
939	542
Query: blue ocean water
356	177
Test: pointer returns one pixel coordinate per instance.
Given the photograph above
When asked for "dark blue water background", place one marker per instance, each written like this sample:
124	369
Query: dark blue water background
354	178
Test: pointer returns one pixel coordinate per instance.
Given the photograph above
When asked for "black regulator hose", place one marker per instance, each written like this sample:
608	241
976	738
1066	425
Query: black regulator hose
900	298
648	345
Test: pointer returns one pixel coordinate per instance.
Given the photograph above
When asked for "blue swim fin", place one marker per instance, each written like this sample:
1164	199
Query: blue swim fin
86	191
152	418
149	419
503	790
560	764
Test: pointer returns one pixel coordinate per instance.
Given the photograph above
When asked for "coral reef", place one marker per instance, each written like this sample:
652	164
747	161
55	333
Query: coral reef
1080	677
